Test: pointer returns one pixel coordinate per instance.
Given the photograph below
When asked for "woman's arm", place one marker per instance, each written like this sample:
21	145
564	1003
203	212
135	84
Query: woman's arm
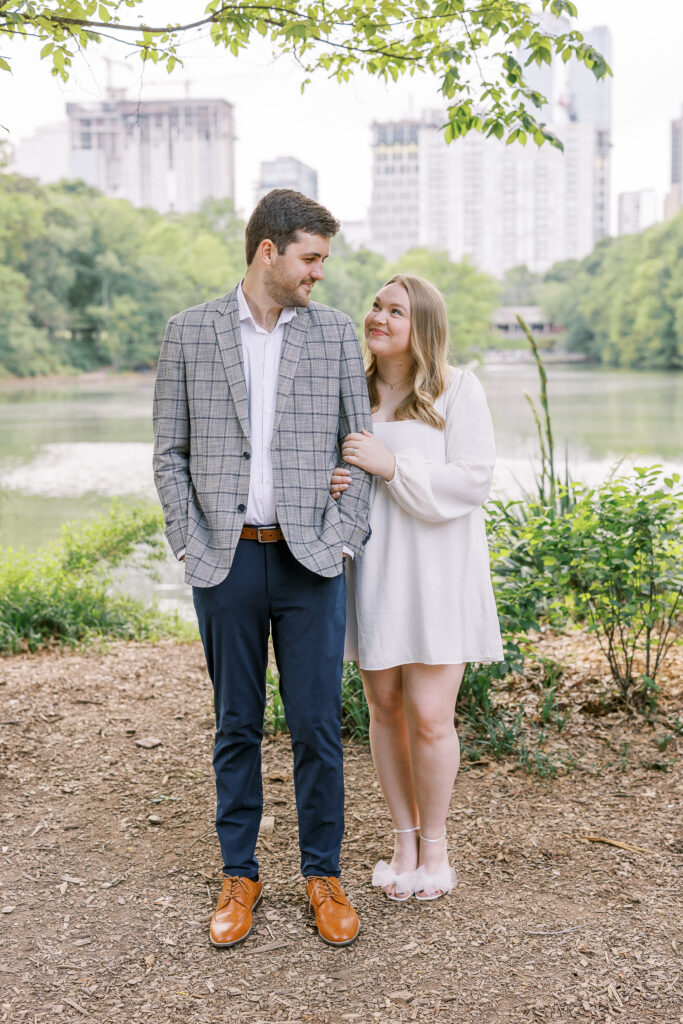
437	492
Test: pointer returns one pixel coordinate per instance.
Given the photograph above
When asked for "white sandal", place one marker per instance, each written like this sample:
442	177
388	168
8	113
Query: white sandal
384	875
439	882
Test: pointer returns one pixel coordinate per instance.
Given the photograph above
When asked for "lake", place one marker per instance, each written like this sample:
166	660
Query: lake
67	447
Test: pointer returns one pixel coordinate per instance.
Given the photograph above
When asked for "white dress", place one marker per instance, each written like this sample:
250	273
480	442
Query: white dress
421	592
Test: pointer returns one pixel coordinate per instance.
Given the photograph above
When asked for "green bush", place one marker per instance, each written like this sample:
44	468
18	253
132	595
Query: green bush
65	591
623	565
610	562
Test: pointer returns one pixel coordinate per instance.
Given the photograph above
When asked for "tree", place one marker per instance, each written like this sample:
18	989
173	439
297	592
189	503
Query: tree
477	49
521	287
623	303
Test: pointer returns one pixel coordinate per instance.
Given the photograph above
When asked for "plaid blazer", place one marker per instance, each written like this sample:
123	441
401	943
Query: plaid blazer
202	447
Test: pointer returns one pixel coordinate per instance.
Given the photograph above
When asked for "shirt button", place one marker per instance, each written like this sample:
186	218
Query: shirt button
246	456
241	508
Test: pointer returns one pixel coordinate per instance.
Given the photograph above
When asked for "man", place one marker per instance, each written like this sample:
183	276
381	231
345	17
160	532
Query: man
254	392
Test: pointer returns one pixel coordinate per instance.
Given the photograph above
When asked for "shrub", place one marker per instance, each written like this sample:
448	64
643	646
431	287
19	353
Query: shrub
623	563
65	591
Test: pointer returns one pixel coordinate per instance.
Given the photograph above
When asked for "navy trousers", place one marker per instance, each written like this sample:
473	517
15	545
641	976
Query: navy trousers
268	590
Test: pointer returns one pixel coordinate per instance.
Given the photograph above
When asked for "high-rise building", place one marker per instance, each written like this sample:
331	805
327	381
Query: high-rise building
674	199
287	172
45	154
590	102
637	211
167	154
500	205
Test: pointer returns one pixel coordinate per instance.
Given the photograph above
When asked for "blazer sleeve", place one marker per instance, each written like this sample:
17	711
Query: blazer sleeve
354	416
172	438
436	492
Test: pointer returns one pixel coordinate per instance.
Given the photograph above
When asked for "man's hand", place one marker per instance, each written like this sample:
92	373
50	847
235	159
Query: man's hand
366	452
341	478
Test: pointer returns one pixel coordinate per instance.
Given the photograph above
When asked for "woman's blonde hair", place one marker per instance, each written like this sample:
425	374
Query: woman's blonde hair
428	347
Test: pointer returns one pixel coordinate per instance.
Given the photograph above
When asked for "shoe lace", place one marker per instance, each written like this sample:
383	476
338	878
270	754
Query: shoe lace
233	888
327	888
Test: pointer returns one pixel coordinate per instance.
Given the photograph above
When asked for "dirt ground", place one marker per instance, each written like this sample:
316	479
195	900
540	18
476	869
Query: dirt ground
109	866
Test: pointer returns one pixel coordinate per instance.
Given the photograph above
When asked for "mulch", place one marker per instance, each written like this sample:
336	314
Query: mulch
109	866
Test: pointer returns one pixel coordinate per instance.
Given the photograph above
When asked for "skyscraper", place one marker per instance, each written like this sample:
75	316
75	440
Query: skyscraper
637	211
500	205
674	199
287	172
167	154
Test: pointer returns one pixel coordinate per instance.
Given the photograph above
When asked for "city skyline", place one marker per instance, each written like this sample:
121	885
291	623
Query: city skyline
272	118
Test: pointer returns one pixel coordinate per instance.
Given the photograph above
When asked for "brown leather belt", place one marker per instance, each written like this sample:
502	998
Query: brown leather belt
263	534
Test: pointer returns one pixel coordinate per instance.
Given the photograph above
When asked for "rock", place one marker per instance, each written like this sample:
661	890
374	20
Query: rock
154	819
267	824
148	742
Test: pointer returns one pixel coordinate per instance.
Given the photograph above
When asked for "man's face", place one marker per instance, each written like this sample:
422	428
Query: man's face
291	276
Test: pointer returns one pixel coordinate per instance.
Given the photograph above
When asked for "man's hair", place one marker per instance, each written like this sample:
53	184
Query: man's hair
280	214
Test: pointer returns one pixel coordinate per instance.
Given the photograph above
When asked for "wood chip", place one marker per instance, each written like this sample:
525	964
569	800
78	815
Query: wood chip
268	948
561	931
148	742
402	997
76	1006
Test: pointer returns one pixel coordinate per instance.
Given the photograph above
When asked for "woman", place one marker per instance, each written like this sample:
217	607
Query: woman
420	603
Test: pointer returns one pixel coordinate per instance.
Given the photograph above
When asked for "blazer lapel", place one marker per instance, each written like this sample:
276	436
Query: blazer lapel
296	335
227	326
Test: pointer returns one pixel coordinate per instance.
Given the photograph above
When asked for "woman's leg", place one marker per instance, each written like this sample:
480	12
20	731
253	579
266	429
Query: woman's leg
429	695
389	745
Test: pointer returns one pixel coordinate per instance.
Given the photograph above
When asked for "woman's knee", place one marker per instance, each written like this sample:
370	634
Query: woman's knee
386	707
430	725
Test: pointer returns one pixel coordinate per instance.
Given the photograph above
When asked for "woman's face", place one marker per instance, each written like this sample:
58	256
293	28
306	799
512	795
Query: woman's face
387	325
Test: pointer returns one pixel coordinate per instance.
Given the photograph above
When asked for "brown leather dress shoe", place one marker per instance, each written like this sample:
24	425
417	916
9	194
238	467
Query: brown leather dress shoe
231	921
336	919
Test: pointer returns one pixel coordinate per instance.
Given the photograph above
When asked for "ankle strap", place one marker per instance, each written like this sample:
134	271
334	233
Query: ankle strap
425	840
400	831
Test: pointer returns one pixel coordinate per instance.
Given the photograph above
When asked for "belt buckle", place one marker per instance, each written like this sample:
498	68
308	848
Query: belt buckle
258	534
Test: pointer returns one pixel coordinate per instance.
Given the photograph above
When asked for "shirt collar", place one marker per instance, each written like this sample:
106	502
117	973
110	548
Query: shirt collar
288	312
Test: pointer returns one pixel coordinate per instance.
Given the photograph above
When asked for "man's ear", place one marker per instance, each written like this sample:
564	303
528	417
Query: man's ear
266	251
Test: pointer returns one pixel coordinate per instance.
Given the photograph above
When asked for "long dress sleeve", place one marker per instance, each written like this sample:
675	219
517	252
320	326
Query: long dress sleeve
436	492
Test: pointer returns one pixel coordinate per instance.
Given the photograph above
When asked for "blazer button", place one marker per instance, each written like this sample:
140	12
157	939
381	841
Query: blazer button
241	508
246	456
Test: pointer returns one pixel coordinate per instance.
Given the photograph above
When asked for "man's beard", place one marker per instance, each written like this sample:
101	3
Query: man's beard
284	292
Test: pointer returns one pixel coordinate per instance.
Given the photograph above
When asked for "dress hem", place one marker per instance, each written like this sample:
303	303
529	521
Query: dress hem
434	661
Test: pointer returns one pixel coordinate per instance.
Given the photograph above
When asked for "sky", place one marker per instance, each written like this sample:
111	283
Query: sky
329	126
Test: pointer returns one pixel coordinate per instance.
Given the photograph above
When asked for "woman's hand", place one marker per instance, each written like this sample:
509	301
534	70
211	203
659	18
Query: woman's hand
366	452
341	479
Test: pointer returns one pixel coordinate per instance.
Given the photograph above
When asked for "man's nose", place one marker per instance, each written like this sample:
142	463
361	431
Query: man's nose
318	273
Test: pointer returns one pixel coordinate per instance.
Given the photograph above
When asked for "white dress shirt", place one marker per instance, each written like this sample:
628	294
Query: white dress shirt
261	351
